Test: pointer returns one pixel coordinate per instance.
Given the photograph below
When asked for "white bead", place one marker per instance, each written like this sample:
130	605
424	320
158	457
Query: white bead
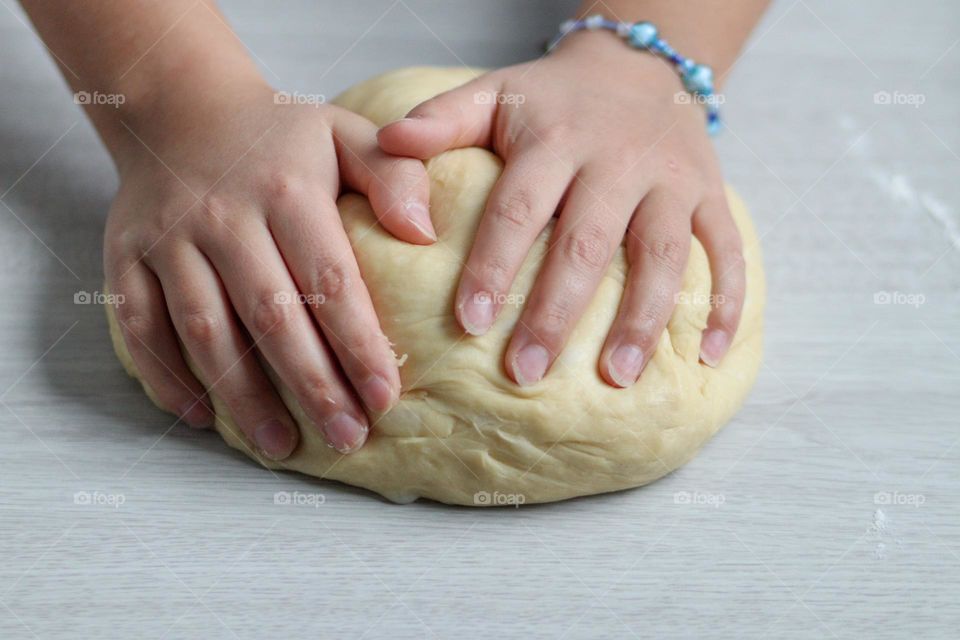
623	29
594	22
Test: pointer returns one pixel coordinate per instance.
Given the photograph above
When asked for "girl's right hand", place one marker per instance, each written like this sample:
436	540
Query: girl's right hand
225	238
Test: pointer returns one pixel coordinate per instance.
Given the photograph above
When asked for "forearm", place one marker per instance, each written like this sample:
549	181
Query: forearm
158	56
709	31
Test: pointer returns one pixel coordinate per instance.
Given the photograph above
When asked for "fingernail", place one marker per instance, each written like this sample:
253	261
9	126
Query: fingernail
377	394
625	364
714	345
419	216
196	415
344	433
530	364
476	313
401	120
274	439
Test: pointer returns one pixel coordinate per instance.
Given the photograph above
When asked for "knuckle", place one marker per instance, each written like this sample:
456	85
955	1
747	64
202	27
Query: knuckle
587	246
552	324
647	323
138	326
270	314
515	210
244	399
731	256
168	218
731	279
405	171
201	327
118	246
690	176
285	189
670	254
358	345
331	281
314	389
214	208
554	136
680	171
427	109
492	273
644	325
637	154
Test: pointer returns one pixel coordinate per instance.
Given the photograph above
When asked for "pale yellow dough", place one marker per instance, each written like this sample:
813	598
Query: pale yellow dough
463	433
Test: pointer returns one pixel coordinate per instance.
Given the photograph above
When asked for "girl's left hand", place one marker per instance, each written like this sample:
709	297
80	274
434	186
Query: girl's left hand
596	132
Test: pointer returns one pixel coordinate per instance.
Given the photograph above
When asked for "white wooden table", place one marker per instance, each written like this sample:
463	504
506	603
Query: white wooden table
828	508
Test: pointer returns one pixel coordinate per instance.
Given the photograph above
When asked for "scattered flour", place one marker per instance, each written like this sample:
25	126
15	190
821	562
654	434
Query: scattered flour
879	530
881	534
899	188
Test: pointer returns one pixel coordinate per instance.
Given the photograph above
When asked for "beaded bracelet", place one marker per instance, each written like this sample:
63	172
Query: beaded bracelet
697	78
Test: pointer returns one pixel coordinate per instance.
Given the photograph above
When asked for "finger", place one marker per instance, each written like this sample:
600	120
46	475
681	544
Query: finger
398	188
315	247
590	228
260	288
206	325
152	343
658	245
520	205
714	227
461	117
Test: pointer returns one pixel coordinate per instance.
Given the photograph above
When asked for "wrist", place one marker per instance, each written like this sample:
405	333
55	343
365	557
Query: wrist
612	58
661	74
712	33
177	101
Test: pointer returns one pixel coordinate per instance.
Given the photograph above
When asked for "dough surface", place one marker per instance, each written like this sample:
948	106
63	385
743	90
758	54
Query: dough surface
464	433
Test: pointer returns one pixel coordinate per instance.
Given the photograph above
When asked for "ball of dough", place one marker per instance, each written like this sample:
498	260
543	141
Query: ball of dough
464	433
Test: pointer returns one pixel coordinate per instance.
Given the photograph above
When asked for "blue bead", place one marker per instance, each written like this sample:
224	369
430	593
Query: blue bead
643	35
699	79
664	48
714	125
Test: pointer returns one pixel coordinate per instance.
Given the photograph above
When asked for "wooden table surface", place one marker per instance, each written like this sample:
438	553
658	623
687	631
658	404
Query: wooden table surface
828	508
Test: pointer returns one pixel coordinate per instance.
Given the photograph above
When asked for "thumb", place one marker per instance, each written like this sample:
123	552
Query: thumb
461	117
398	188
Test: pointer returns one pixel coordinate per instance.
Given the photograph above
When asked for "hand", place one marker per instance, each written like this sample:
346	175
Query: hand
595	132
225	235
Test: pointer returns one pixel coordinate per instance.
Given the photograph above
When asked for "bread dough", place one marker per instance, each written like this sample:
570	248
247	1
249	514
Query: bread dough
464	433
